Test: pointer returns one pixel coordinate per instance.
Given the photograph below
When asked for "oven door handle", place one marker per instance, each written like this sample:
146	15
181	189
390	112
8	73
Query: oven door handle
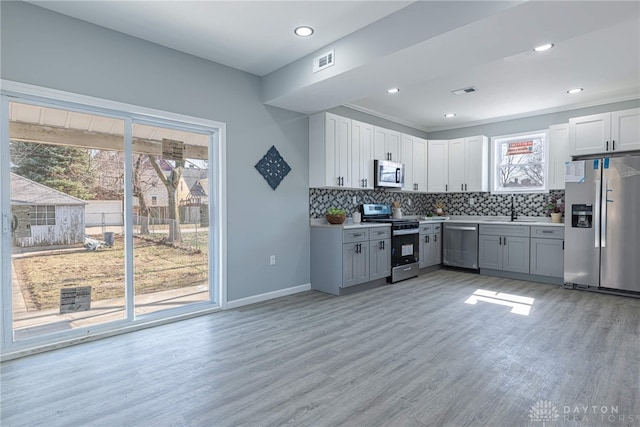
405	232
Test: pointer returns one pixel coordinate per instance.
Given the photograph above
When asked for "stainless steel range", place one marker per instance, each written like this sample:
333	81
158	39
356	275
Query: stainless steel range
405	238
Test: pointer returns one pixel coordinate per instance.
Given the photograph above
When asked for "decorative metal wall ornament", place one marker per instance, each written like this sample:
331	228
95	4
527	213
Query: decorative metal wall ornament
273	167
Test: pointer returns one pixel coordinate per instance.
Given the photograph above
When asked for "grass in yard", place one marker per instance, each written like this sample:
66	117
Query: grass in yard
157	267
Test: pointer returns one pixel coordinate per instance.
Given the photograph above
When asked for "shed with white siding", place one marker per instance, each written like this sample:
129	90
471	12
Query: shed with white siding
55	218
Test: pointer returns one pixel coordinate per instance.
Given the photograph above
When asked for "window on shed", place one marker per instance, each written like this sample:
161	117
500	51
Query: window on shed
43	215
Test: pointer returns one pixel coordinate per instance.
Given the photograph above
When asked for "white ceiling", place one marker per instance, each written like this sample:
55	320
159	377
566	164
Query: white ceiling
597	47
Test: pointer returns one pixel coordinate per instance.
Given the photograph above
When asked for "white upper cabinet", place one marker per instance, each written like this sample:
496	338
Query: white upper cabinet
420	164
437	166
459	165
605	133
329	151
625	130
476	164
456	161
361	155
414	158
559	150
386	144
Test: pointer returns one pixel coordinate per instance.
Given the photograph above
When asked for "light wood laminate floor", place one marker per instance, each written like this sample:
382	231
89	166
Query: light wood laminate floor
409	354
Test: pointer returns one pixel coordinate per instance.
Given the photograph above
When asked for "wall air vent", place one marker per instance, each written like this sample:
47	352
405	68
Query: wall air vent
323	61
464	90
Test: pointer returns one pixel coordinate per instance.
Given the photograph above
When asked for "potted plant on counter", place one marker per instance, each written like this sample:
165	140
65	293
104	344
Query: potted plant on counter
555	208
336	216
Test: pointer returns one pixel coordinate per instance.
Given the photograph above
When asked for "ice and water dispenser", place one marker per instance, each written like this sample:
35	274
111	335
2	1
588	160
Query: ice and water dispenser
581	216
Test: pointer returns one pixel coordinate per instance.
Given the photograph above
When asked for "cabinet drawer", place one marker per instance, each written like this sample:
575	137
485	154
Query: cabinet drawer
547	232
437	228
376	233
351	236
426	228
505	230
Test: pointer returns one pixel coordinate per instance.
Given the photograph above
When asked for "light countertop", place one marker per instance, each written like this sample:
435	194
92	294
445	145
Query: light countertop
498	220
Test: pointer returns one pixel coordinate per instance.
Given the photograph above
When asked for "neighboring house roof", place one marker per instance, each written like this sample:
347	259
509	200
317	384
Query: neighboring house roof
27	192
192	175
197	191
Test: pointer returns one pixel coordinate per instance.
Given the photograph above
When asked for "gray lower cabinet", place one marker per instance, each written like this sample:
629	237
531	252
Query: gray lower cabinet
430	245
504	247
341	258
380	253
547	251
355	263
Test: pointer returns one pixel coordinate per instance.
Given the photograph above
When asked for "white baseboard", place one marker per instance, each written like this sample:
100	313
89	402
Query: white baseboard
269	295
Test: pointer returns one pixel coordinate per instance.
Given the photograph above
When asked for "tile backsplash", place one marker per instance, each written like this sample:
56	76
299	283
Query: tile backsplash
321	199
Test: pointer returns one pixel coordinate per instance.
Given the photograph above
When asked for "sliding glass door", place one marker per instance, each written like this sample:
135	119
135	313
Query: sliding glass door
110	219
171	207
66	195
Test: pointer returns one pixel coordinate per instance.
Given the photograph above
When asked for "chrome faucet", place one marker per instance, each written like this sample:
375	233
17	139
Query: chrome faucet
513	210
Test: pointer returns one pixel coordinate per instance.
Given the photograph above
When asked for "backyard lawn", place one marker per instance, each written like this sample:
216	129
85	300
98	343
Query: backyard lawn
157	267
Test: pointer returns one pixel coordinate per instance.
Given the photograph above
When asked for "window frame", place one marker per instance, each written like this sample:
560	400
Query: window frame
36	215
497	165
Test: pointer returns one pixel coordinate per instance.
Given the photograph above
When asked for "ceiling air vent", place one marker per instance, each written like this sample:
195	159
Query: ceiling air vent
323	61
464	90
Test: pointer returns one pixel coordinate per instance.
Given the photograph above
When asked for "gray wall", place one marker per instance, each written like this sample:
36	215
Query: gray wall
43	48
531	123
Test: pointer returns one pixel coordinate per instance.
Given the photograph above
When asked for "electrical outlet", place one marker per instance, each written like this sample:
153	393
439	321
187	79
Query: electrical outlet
471	201
355	200
272	260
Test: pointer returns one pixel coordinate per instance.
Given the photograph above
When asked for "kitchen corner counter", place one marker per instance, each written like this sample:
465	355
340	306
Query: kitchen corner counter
347	225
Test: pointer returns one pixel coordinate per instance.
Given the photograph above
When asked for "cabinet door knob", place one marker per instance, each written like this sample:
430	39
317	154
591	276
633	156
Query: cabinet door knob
499	241
607	145
465	187
613	143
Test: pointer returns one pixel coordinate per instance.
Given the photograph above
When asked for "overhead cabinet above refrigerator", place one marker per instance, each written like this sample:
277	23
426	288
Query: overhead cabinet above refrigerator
608	133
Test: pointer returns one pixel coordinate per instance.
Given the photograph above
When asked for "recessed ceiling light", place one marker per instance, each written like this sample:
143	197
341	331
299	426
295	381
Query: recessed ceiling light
393	90
303	31
450	115
543	47
576	90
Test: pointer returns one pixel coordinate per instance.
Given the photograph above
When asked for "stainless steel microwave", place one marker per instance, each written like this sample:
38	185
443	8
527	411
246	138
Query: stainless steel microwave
388	174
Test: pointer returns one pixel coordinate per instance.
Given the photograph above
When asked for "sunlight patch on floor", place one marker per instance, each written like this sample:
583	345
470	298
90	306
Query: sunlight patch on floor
519	305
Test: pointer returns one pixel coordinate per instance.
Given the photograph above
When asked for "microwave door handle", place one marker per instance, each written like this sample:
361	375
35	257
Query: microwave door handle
397	175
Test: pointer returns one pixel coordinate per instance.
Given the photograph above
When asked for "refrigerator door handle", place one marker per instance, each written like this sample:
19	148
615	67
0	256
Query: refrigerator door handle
596	211
605	200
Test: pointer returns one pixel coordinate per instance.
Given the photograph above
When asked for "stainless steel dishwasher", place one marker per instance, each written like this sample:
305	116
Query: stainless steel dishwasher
460	245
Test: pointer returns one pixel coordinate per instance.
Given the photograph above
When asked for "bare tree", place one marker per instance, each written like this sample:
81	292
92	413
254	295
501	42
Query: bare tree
139	190
171	182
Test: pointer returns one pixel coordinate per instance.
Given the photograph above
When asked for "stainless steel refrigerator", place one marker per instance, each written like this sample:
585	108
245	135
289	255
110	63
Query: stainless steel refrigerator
602	224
